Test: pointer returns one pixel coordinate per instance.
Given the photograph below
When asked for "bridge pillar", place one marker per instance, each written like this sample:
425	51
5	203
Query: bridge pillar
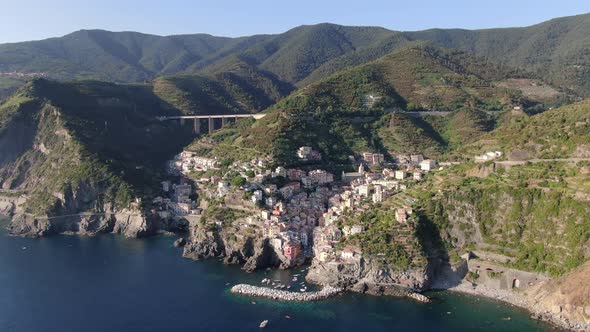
211	125
197	126
181	121
224	121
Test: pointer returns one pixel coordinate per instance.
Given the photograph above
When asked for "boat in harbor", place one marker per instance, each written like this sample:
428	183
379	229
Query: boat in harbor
264	323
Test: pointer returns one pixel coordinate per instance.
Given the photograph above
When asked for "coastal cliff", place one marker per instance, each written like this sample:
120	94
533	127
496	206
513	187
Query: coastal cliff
565	300
234	246
70	164
368	276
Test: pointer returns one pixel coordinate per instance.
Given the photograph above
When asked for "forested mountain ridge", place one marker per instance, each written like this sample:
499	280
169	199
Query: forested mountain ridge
556	50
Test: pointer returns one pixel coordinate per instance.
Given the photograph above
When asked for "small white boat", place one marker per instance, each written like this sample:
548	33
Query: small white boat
263	323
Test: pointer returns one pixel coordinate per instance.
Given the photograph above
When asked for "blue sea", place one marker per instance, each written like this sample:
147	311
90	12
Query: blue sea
109	283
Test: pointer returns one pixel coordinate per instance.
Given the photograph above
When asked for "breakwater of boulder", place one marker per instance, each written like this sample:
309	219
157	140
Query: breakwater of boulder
419	297
282	295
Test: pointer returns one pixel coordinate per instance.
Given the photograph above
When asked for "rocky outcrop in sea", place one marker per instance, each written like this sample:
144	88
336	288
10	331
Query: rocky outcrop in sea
253	252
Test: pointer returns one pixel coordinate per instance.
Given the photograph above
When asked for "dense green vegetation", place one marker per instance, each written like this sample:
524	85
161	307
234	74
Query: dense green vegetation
556	50
413	78
536	214
237	89
361	109
553	50
61	139
559	133
385	240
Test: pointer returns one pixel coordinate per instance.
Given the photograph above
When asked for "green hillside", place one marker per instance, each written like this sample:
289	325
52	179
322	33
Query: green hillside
89	139
558	133
413	78
554	51
534	215
240	88
362	109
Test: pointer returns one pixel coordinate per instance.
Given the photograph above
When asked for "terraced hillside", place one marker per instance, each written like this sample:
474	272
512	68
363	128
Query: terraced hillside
559	133
363	109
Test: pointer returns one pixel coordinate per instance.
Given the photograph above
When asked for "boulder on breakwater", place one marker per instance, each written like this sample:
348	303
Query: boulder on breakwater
419	297
282	295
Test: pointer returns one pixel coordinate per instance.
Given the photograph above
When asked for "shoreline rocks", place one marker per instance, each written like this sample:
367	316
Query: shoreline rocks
180	242
418	297
281	295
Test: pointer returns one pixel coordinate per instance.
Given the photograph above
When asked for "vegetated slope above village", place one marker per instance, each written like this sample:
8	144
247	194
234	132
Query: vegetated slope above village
534	214
558	133
85	146
362	109
238	88
416	77
556	50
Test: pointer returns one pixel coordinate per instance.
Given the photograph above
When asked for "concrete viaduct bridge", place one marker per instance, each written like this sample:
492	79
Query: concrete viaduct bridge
225	118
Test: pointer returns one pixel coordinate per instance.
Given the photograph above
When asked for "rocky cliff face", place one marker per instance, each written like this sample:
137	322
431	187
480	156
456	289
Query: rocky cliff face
535	229
62	172
365	275
126	222
565	300
235	247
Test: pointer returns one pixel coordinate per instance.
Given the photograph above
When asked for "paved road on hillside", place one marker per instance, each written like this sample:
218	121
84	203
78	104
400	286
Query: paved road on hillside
522	162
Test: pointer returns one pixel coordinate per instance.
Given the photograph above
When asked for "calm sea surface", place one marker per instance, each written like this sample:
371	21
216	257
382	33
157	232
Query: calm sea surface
109	283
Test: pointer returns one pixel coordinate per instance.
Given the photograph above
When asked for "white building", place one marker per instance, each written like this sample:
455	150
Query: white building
363	190
303	152
347	254
400	174
427	165
378	195
280	171
256	196
416	159
222	188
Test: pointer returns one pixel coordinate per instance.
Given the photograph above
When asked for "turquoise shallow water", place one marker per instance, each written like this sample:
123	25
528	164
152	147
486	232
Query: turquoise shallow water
108	283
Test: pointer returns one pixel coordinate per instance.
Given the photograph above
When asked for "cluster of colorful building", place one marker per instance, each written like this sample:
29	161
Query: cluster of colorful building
297	209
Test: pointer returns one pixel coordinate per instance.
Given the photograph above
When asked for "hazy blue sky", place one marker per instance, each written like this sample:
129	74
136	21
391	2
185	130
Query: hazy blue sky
36	19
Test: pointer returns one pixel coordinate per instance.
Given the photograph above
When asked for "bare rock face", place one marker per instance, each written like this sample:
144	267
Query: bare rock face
263	256
25	225
364	275
565	300
131	224
204	245
253	252
127	223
